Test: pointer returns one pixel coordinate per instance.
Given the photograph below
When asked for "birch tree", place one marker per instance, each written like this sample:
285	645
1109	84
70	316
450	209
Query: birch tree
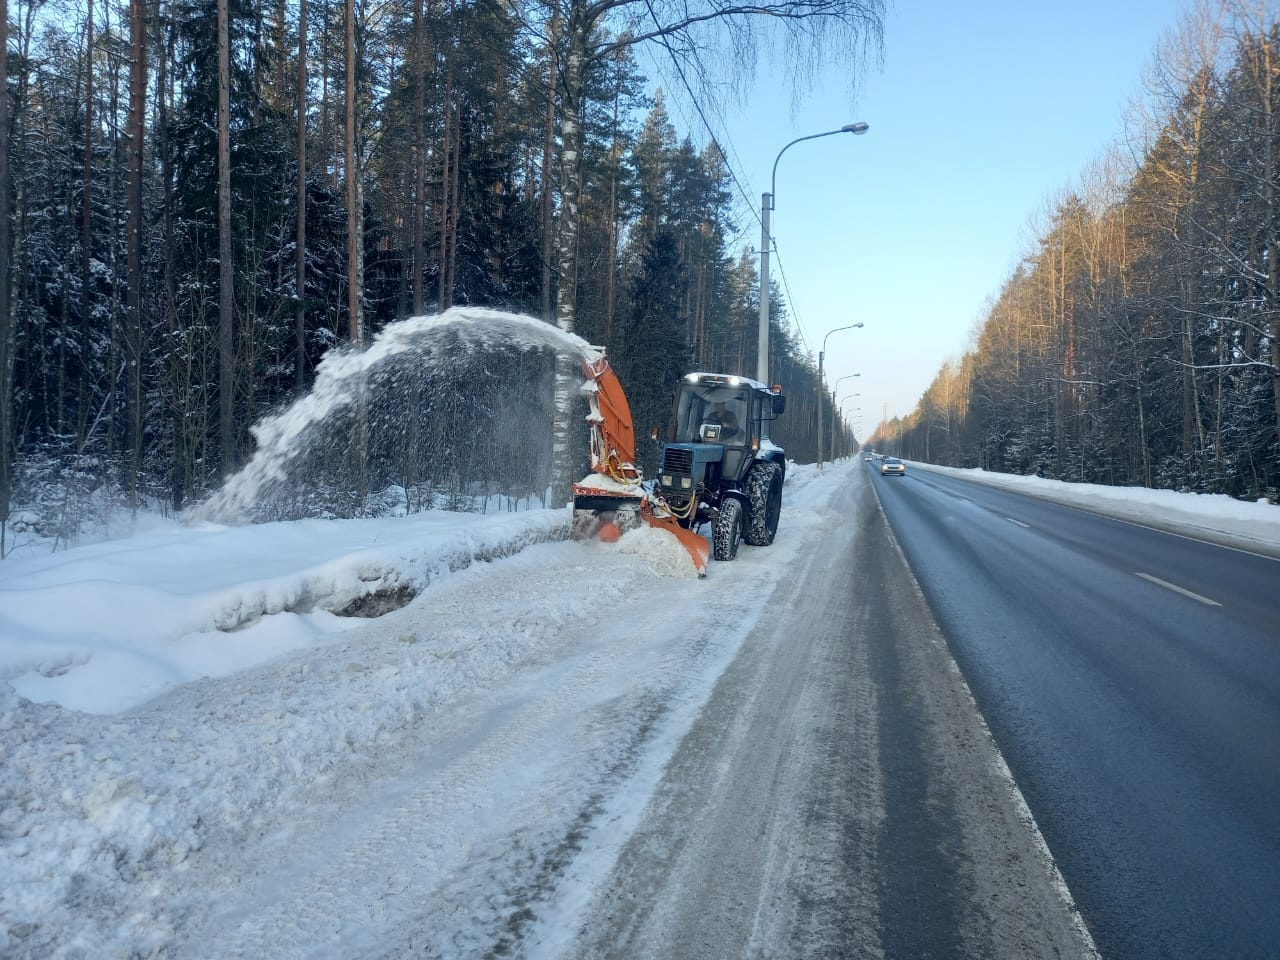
6	313
1184	79
300	234
355	195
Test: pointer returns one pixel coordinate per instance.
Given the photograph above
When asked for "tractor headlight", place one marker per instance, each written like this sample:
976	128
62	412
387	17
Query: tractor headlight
666	479
686	482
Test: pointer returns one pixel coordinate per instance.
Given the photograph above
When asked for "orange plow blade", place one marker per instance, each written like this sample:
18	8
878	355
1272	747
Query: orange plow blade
697	546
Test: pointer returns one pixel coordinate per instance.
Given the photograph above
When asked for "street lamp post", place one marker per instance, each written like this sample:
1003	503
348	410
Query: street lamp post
766	204
821	393
856	417
837	387
839	407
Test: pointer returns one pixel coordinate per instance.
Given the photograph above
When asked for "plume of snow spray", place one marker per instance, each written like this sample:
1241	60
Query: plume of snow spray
281	438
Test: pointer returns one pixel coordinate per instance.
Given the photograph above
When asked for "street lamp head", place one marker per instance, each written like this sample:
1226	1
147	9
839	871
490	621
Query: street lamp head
856	128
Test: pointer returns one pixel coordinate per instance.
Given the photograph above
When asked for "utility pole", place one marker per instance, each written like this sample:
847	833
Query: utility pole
766	204
822	392
762	359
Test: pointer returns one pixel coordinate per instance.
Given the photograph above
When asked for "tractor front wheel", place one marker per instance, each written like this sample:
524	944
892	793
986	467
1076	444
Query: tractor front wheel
726	529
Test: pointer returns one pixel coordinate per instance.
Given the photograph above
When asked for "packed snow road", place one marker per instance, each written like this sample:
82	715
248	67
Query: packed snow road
781	760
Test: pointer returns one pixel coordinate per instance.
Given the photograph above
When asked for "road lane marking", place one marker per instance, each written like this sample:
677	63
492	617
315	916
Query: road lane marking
1176	589
1025	526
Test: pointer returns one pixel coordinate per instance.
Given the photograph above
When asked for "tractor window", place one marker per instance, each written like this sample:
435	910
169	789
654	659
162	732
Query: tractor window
711	415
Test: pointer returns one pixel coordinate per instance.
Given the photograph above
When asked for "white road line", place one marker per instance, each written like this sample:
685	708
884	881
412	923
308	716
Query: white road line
1176	589
1025	526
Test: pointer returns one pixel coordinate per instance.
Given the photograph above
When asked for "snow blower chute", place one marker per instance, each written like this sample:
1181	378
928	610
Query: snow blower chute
613	498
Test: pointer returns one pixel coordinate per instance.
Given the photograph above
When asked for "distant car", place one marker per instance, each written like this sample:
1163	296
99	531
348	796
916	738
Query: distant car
868	458
892	465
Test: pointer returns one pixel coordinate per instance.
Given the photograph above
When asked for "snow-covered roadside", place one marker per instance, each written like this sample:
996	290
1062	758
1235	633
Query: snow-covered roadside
148	747
1216	518
109	626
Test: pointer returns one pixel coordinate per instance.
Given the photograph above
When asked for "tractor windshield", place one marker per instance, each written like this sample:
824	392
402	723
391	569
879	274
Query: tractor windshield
713	413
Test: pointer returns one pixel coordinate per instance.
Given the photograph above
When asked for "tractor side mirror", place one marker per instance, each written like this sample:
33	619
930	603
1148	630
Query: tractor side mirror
779	404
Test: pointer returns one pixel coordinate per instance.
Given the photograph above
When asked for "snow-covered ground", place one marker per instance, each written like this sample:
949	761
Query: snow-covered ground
189	695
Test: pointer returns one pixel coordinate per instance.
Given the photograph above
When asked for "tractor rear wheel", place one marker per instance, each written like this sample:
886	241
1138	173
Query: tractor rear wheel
726	529
764	490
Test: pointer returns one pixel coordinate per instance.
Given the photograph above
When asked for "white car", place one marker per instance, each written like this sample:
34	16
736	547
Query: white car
891	466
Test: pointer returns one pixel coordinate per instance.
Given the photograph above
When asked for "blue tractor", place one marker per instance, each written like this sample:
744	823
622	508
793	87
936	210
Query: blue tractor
718	464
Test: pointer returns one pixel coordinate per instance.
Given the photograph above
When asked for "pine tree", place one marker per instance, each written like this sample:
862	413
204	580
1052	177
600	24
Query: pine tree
651	354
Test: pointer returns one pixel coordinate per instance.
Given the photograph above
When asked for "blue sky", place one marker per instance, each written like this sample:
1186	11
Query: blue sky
982	113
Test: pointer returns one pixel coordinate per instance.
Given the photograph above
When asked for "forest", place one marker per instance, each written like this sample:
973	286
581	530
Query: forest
1138	341
202	198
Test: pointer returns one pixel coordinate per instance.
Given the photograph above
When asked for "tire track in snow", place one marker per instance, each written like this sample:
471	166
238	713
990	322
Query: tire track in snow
451	855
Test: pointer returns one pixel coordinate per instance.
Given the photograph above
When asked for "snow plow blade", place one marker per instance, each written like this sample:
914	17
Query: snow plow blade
602	513
699	552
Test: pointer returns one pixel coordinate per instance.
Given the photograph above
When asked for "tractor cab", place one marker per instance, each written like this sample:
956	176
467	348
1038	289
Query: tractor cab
714	408
719	425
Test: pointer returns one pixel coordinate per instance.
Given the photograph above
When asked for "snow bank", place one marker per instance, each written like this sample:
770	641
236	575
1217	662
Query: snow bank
108	626
1214	517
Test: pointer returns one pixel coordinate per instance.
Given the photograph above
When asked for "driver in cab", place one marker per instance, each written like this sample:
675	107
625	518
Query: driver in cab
724	417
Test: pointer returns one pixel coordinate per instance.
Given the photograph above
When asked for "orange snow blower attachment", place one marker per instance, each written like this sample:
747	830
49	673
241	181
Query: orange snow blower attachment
613	500
613	439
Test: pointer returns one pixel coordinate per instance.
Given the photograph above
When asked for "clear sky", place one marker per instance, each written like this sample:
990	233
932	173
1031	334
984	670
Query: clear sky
982	113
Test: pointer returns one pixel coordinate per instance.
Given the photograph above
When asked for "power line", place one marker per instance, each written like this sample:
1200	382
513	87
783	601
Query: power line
675	62
715	140
791	300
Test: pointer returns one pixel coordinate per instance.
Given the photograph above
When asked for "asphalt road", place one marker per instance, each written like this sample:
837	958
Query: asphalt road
1132	681
838	795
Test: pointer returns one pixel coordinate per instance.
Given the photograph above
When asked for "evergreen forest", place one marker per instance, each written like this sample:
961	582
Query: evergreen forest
202	198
